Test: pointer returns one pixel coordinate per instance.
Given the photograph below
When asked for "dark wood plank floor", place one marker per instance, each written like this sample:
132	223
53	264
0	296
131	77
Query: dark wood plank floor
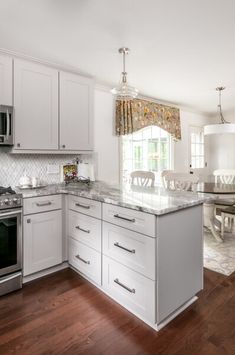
64	314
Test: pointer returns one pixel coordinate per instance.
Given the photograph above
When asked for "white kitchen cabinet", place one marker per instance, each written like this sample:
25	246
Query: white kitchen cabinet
86	260
5	80
42	241
36	106
76	112
134	291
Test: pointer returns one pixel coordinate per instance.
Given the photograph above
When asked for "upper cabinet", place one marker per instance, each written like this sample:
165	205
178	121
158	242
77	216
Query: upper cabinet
5	80
53	111
36	106
76	112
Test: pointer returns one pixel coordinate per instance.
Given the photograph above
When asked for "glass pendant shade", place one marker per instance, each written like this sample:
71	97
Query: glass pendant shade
123	91
222	127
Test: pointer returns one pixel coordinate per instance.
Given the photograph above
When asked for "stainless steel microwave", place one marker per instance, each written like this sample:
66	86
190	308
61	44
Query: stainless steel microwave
6	125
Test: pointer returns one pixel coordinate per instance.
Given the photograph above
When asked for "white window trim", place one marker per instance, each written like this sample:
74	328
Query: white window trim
189	147
120	144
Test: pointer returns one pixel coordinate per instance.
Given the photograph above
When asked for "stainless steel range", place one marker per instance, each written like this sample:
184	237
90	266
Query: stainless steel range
10	240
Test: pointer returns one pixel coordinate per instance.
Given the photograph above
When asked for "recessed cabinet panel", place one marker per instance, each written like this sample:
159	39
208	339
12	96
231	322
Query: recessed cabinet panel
86	260
42	241
5	80
85	229
36	106
134	250
76	112
134	291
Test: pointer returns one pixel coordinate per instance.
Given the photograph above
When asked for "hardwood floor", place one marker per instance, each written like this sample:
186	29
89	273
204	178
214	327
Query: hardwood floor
64	314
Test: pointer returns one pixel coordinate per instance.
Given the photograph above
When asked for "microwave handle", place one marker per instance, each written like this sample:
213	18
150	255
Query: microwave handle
8	125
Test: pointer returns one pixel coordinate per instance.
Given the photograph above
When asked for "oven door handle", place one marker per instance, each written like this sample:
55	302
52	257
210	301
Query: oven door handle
6	214
8	278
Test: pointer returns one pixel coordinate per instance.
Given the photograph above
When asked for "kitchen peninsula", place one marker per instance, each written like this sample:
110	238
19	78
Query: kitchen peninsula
141	246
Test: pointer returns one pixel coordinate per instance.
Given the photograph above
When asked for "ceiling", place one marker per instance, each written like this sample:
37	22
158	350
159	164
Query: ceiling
180	49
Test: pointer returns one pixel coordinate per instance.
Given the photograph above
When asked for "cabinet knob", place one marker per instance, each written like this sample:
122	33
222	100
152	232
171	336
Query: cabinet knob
28	220
63	145
18	145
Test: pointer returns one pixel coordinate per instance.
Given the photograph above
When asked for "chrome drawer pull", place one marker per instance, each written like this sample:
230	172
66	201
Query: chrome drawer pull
83	230
121	247
131	290
83	206
43	204
126	219
83	260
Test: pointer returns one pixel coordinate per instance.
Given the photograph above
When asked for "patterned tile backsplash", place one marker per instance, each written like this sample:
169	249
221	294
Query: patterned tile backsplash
13	166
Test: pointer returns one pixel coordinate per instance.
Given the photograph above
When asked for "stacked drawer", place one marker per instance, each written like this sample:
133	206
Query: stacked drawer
129	259
85	237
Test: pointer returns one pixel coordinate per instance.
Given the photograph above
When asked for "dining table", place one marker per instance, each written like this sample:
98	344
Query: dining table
224	196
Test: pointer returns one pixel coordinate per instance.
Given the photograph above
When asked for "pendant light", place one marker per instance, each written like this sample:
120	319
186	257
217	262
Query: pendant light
123	91
223	126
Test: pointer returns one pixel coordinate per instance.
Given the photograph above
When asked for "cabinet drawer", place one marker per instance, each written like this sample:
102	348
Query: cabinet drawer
135	220
85	205
85	229
132	249
86	260
132	290
42	204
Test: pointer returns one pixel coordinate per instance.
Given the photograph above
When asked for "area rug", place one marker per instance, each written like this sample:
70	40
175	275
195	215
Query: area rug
219	257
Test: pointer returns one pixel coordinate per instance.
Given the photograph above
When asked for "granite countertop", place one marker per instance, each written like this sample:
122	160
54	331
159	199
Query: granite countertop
157	201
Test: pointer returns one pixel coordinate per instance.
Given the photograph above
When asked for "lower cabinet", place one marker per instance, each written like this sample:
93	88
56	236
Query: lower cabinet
86	260
42	241
132	290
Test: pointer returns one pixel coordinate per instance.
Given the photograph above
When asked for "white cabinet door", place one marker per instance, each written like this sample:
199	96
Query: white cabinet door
36	106
76	112
5	80
42	241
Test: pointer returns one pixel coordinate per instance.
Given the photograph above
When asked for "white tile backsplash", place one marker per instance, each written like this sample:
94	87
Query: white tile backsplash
12	166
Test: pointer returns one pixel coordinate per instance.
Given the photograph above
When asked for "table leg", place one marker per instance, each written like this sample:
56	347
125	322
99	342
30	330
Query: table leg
211	222
222	224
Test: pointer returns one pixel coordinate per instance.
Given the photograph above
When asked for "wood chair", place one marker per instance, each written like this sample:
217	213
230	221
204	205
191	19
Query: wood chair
181	181
224	176
142	178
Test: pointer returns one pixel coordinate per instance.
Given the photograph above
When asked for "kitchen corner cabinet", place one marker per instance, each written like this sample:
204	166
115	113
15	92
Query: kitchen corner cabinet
76	112
42	227
36	106
5	80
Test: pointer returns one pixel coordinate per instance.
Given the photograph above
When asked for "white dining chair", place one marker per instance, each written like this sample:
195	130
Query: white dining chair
224	176
142	178
163	175
181	181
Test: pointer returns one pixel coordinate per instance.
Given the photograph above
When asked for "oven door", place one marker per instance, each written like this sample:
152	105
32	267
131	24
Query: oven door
10	241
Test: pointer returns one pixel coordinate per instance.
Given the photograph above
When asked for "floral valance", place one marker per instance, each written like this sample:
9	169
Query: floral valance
132	115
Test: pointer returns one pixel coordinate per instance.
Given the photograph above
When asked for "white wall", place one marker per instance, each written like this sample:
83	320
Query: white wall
107	144
222	148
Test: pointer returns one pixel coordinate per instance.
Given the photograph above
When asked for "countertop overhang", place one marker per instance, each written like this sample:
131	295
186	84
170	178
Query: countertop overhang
153	200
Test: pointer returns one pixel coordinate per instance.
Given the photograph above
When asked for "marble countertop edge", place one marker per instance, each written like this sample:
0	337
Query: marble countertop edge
157	201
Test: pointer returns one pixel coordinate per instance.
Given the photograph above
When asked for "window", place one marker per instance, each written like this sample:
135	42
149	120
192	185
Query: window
147	149
197	148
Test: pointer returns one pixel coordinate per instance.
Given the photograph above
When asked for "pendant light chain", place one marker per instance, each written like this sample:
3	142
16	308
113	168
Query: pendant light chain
220	89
